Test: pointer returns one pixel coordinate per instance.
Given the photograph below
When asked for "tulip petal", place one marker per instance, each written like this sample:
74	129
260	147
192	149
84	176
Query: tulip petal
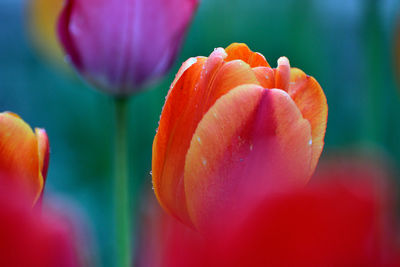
187	64
166	146
19	155
265	76
310	99
242	51
282	74
186	104
44	151
251	143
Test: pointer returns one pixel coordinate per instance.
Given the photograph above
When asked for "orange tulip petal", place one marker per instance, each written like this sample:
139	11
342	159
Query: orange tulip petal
19	155
282	74
265	76
179	118
169	142
250	143
229	76
186	103
44	151
242	51
311	100
185	65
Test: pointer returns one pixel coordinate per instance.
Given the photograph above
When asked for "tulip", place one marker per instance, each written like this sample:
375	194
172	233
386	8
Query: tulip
24	156
120	46
234	130
33	237
343	218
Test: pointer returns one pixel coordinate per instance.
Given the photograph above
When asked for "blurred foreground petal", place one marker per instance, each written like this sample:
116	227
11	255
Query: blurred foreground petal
33	238
345	219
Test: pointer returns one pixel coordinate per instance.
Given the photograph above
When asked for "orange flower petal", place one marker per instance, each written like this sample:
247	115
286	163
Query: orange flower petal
187	101
311	100
252	142
242	51
19	155
282	74
229	76
44	151
187	64
166	145
265	76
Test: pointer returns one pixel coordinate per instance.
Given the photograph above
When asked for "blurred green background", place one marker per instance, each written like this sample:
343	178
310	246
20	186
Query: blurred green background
347	45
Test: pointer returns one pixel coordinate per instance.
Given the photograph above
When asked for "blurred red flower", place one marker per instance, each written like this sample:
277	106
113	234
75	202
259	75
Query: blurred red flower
345	218
121	45
32	237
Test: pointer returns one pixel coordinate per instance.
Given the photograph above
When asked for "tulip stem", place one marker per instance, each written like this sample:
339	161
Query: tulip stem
121	193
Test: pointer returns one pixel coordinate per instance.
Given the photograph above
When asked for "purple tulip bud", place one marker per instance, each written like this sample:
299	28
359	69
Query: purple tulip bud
121	45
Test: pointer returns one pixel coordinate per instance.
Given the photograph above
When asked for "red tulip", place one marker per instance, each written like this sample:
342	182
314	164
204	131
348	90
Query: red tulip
121	45
344	218
164	241
234	130
24	155
30	237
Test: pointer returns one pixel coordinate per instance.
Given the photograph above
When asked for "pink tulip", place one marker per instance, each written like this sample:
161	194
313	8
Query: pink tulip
121	45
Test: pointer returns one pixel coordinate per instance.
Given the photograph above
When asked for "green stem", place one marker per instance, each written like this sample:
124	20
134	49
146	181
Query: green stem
121	193
376	89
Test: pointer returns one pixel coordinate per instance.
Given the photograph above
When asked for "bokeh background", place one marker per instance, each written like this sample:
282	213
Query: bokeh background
347	45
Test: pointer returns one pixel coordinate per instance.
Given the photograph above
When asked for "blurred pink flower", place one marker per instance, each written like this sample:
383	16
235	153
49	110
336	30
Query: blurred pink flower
121	45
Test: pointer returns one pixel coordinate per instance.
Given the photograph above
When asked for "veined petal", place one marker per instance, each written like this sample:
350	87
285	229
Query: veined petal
19	155
310	99
251	143
242	51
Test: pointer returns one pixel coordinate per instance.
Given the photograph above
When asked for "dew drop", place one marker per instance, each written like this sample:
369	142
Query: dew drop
310	142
